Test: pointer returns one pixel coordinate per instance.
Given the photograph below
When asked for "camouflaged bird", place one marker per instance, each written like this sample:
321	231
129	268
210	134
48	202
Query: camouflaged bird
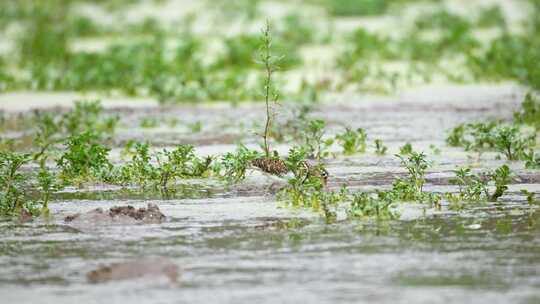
277	166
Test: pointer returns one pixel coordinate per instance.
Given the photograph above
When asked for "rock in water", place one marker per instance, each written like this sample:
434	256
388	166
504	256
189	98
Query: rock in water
151	267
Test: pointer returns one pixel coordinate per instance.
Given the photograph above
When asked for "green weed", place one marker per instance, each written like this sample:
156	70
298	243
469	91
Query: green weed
411	188
316	146
353	141
381	207
405	149
530	112
13	183
380	148
474	188
85	158
233	166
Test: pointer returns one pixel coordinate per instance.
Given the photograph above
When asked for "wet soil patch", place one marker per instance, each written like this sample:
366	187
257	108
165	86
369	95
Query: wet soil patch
134	270
151	214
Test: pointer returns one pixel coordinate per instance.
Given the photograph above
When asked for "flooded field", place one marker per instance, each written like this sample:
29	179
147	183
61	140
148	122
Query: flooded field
269	151
237	244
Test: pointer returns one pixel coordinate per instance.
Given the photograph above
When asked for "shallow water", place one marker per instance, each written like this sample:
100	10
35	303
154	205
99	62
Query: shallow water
236	244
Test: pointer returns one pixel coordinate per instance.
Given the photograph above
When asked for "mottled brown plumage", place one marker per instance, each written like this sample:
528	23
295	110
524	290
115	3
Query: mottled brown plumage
317	171
275	166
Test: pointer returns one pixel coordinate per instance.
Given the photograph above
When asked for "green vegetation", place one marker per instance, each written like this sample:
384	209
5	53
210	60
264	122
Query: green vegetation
13	183
364	205
72	148
353	141
380	148
85	158
474	188
513	141
161	169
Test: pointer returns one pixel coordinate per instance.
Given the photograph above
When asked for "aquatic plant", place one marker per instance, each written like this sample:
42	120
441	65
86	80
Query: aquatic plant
532	159
474	188
314	143
84	159
352	141
491	136
233	166
13	183
380	148
411	188
86	116
406	149
509	141
180	163
382	206
305	187
149	123
501	177
530	197
47	183
530	112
